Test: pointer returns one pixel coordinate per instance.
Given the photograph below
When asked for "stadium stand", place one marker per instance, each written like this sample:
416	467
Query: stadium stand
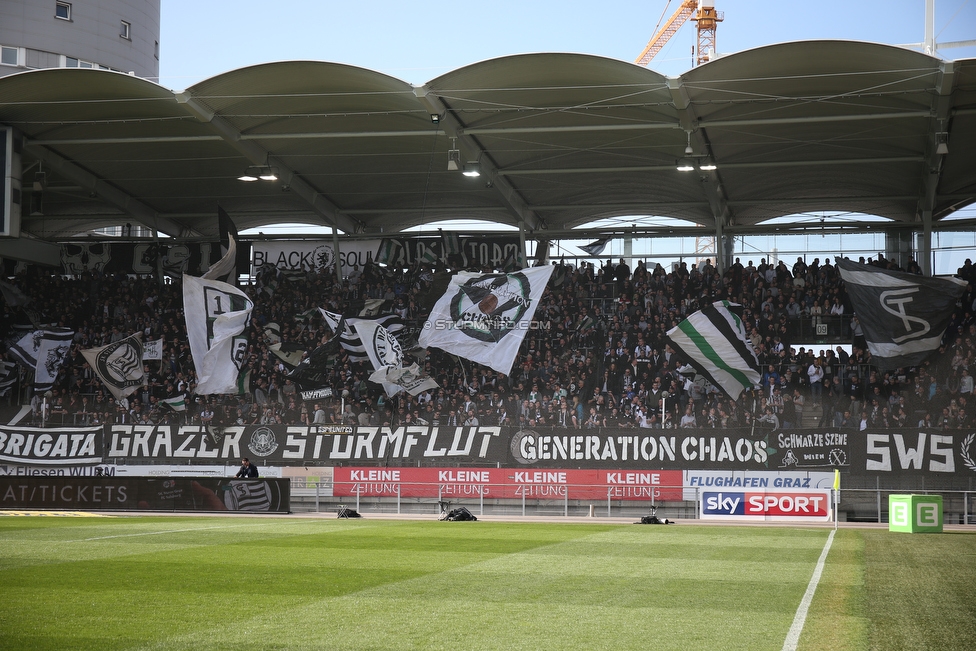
599	357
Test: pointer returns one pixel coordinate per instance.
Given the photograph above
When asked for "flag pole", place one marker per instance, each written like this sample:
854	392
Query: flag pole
836	491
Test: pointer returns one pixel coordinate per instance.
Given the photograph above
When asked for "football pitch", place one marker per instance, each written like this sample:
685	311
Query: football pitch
314	583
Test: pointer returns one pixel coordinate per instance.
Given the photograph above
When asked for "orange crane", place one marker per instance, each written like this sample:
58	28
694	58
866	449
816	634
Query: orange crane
701	11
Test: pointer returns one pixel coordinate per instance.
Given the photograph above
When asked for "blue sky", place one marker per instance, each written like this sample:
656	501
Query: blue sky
419	41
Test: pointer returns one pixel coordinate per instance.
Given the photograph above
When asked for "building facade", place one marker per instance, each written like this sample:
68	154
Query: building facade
119	35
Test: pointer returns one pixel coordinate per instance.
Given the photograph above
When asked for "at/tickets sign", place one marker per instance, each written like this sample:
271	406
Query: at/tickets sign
805	505
558	484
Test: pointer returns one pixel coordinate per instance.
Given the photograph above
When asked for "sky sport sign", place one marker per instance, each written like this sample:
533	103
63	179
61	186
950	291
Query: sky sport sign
794	506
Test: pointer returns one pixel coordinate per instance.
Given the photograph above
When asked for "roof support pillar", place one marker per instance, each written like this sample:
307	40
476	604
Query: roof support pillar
925	244
721	250
521	225
338	258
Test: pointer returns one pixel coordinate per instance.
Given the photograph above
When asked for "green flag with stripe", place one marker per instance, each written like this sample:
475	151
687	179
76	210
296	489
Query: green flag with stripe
714	341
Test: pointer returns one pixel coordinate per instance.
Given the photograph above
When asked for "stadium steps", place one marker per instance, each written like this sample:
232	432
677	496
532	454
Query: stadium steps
811	415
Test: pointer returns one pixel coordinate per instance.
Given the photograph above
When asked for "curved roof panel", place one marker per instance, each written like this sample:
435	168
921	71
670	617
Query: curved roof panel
561	140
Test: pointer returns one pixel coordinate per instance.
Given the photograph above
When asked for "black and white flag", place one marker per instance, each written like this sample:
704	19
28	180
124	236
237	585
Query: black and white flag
12	295
903	315
596	247
8	376
225	270
152	349
43	351
387	358
217	316
119	365
313	373
350	339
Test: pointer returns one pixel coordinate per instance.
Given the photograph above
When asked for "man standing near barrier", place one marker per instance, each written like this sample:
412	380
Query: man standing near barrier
248	470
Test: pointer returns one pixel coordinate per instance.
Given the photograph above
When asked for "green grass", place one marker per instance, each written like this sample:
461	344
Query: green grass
298	583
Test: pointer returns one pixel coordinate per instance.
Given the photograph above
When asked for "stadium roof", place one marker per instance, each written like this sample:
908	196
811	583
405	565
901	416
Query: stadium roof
562	140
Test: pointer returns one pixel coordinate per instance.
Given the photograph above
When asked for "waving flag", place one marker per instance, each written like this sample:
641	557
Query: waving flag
350	340
176	403
43	351
226	268
484	317
217	316
119	365
12	294
714	341
386	356
596	247
451	245
152	349
903	315
412	378
389	251
8	376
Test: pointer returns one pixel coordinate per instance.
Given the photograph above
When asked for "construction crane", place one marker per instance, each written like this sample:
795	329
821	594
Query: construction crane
701	11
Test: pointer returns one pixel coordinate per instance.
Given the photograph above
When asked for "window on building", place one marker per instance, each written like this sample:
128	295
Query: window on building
8	56
62	10
125	30
70	62
156	50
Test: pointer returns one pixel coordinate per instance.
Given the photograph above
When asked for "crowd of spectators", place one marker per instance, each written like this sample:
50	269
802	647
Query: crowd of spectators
598	357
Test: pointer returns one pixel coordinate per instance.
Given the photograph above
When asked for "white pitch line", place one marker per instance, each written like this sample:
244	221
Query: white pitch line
153	533
793	637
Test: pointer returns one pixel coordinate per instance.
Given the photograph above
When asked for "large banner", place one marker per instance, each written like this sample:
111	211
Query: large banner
296	445
914	452
146	258
644	448
145	494
555	484
51	446
317	255
907	454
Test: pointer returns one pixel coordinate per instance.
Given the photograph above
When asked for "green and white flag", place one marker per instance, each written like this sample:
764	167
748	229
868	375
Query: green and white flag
451	250
714	341
389	252
428	257
244	383
451	243
217	316
177	403
514	262
484	317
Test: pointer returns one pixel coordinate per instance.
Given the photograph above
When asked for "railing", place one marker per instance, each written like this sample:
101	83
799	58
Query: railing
561	499
673	502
